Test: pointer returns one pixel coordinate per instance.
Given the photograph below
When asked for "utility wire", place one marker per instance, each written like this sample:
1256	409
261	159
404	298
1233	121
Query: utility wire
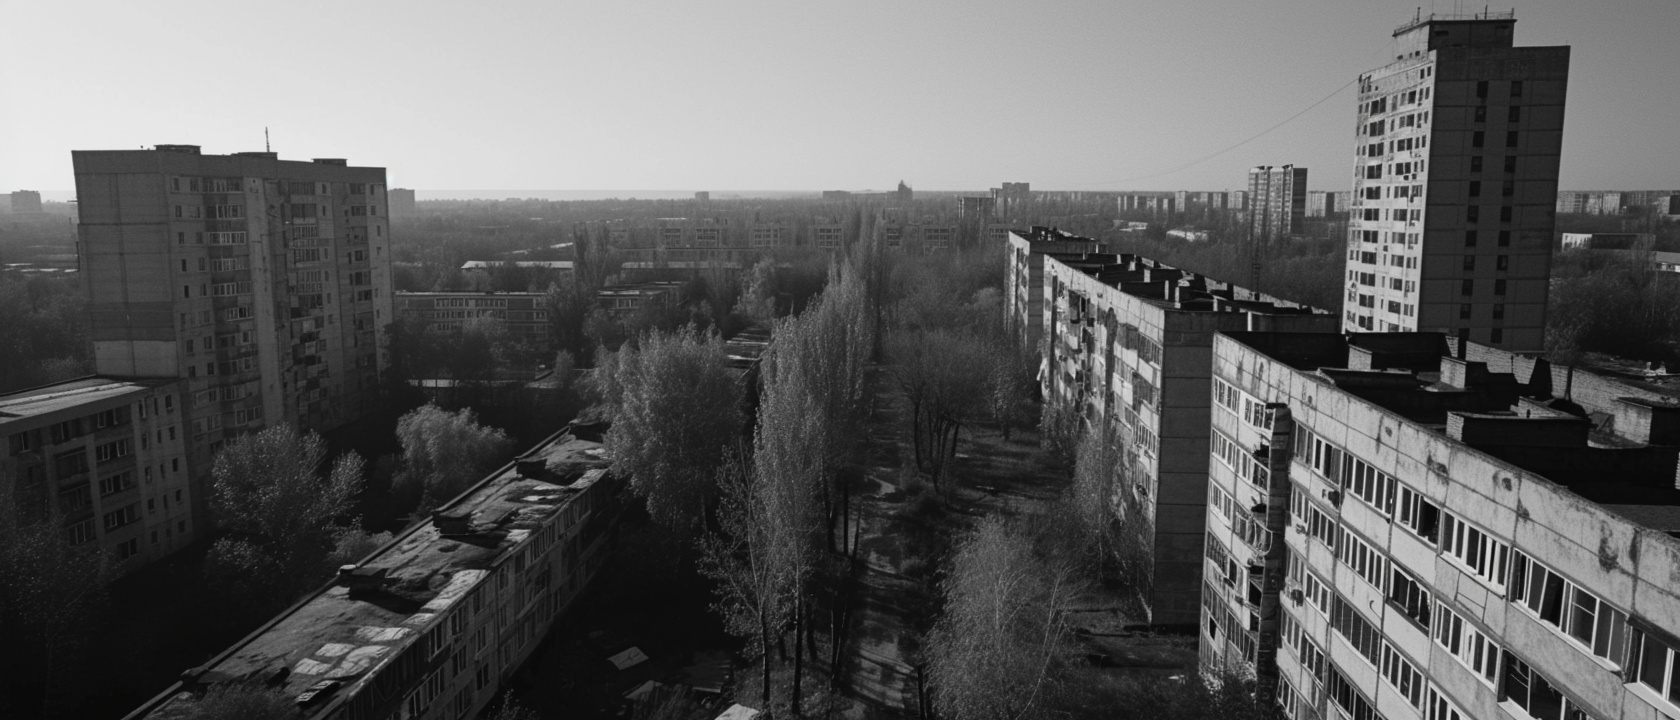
1252	138
1387	51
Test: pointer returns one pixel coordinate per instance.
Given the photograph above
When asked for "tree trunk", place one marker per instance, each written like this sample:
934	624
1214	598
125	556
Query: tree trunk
798	651
764	639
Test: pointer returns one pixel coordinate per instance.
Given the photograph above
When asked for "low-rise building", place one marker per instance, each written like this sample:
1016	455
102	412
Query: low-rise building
525	315
106	459
1607	241
621	300
1131	351
432	624
1407	525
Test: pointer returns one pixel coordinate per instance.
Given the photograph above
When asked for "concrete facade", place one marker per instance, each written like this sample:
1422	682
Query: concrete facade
262	285
525	315
432	625
26	201
1402	525
1455	184
402	202
1131	343
1023	284
1277	203
106	458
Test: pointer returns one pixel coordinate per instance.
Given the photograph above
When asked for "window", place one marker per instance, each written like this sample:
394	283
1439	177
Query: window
1481	113
1475	188
1409	595
116	483
1516	88
112	450
1473	213
1469	238
1511	139
1656	667
1475	550
1478	139
1358	631
1499	311
1502	263
128	548
1365	561
1464	311
1598	627
1441	708
1466	643
1504	238
1402	675
119	518
1511	164
1476	163
1467	288
80	533
1532	692
1482	89
1469	263
1499	287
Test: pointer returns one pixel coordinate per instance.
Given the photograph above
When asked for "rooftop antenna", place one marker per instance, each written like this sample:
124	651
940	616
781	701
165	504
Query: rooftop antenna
266	147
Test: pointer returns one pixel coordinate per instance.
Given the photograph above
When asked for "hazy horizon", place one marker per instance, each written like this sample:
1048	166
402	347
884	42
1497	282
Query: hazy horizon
1063	94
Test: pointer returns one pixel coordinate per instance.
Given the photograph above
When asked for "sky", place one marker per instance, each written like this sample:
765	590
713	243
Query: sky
785	95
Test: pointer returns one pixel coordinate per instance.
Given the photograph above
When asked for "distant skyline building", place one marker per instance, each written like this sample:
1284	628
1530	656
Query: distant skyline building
26	201
1278	202
402	201
1455	184
261	285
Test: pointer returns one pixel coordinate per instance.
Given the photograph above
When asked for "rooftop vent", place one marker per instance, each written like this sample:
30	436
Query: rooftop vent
341	162
360	579
188	149
533	466
452	523
259	154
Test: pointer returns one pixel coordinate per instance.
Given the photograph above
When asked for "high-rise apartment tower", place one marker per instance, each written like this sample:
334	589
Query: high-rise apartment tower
263	285
1455	183
1279	197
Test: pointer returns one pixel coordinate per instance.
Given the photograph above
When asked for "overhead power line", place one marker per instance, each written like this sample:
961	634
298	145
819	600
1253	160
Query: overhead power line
1251	138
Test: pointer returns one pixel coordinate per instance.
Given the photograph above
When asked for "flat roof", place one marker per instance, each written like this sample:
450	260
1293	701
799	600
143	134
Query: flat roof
334	635
53	398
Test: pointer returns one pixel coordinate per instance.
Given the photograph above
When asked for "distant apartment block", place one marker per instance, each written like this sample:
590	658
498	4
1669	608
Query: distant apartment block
433	624
1606	241
402	202
1455	184
1324	203
261	285
523	314
702	195
1277	203
1154	203
478	272
1406	525
107	459
26	201
1130	346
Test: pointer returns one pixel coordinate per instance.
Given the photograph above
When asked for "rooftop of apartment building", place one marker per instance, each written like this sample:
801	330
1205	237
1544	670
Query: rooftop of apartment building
47	399
374	609
649	289
1613	443
487	264
1042	234
1176	289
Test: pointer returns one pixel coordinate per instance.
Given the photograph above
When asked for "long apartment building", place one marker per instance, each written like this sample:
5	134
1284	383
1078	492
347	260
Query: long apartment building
106	459
1406	525
1023	283
432	625
1455	182
1131	349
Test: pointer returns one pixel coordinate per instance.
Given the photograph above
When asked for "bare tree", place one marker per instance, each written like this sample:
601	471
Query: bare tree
996	652
939	373
738	556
